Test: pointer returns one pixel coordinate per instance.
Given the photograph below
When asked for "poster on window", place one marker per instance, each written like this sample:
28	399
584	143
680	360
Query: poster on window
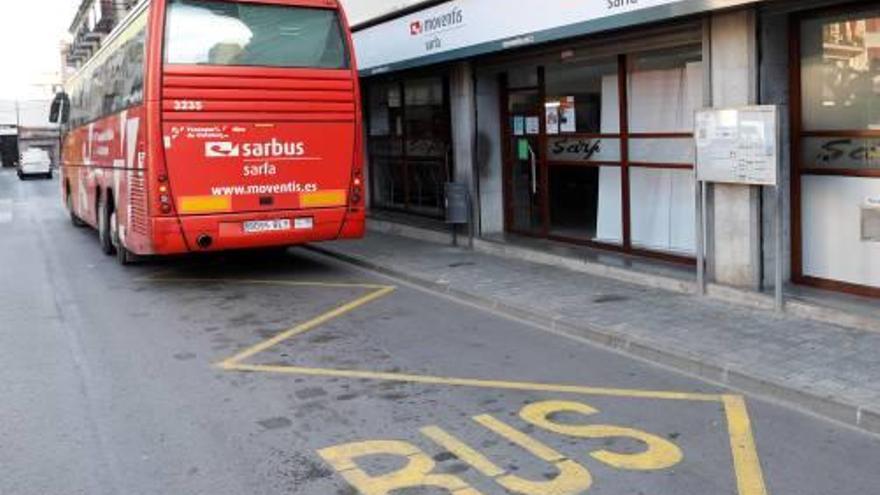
552	117
533	125
567	115
519	125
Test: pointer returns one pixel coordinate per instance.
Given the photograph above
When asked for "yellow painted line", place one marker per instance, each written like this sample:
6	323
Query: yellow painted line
517	437
463	451
235	363
469	382
747	466
305	327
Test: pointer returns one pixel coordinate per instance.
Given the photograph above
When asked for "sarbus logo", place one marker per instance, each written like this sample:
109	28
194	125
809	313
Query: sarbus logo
271	149
221	149
415	28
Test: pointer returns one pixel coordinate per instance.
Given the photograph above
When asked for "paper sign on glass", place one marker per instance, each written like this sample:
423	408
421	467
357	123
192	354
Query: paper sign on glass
533	125
552	117
519	125
567	115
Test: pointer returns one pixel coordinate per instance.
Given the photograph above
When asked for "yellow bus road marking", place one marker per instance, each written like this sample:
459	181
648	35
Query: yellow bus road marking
469	382
305	327
418	470
747	466
749	477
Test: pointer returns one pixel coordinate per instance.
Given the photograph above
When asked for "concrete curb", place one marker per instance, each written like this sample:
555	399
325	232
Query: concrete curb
730	295
862	418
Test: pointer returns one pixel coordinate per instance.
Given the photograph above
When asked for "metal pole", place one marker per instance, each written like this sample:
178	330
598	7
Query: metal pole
779	289
472	223
780	296
18	131
701	240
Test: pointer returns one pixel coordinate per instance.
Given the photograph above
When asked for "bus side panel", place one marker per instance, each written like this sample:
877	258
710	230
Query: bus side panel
106	159
78	178
130	182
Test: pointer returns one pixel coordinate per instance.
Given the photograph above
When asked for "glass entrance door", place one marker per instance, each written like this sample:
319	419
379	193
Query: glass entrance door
525	165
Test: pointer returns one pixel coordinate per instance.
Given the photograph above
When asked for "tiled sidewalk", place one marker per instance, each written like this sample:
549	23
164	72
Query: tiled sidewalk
831	371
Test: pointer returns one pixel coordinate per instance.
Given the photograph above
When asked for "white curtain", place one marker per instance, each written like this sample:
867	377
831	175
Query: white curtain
609	226
662	201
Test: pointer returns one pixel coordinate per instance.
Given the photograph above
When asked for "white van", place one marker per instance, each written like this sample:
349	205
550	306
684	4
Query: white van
35	162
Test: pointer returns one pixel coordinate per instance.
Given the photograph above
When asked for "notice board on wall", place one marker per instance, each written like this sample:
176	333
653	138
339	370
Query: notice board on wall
738	145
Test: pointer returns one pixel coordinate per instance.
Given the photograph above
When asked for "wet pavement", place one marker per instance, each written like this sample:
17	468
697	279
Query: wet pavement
283	373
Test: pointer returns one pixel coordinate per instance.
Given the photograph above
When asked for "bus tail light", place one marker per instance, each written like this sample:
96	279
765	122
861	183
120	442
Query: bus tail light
164	196
357	188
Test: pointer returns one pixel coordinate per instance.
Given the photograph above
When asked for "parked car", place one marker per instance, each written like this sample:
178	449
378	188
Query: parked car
35	162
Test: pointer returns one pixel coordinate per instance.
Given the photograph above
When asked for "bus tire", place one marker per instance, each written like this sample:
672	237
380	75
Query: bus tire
123	255
104	235
74	220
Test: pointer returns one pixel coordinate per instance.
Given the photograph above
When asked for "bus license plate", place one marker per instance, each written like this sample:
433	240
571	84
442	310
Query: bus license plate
258	226
304	223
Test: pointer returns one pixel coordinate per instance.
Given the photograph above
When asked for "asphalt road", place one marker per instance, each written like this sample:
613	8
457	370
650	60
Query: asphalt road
261	373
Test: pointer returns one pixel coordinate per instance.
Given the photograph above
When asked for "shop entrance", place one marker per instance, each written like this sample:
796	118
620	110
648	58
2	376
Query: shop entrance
598	149
525	164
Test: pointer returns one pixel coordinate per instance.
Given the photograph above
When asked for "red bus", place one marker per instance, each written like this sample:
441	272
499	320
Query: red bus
206	125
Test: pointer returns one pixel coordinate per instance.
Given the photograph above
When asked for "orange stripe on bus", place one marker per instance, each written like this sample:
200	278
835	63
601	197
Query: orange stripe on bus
323	198
205	204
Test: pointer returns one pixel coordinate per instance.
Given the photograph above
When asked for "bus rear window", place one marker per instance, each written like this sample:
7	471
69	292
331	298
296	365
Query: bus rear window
212	32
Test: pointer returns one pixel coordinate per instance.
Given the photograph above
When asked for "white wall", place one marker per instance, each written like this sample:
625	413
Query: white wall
833	248
7	112
360	11
28	113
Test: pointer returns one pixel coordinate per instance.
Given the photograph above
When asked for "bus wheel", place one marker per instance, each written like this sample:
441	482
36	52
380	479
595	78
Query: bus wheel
73	218
104	236
123	255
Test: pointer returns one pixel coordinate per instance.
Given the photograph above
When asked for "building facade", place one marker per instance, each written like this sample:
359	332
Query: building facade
25	125
574	121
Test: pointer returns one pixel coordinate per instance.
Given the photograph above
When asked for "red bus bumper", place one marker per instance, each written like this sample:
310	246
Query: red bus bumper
177	235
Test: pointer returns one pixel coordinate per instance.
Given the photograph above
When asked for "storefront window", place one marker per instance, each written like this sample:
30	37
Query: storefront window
409	144
582	120
599	178
583	97
838	150
840	67
665	89
662	210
